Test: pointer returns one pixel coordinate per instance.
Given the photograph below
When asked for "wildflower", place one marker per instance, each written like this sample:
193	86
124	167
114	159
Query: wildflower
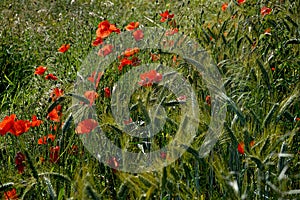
163	155
241	148
97	41
135	61
40	70
171	32
181	98
51	77
54	154
92	78
131	26
56	93
124	62
104	51
20	162
267	31
265	11
7	124
126	122
149	78
11	194
20	127
208	100
131	51
107	92
165	15
224	6
86	126
138	35
241	1
252	143
35	122
105	29
113	162
55	114
43	140
74	150
91	96
64	48
155	57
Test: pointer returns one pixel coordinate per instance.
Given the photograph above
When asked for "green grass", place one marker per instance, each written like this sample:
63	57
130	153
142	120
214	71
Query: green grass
262	103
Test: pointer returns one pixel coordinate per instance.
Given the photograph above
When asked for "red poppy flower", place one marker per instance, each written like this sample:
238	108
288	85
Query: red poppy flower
297	119
20	127
7	124
55	114
64	48
20	162
53	128
113	162
43	140
181	98
252	143
92	78
35	122
241	1
273	68
86	126
126	122
107	92
74	150
165	15
138	35
268	31
171	32
11	194
56	93
163	155
224	6
124	62
105	29
135	61
40	70
97	41
130	51
265	11
149	78
241	148
155	57
91	96
131	26
51	77
54	154
208	100
104	51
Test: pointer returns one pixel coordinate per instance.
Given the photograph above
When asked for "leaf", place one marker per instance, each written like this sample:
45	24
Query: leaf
91	193
67	123
231	134
80	98
55	103
288	101
264	74
265	147
257	161
5	186
268	118
292	41
50	188
291	21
